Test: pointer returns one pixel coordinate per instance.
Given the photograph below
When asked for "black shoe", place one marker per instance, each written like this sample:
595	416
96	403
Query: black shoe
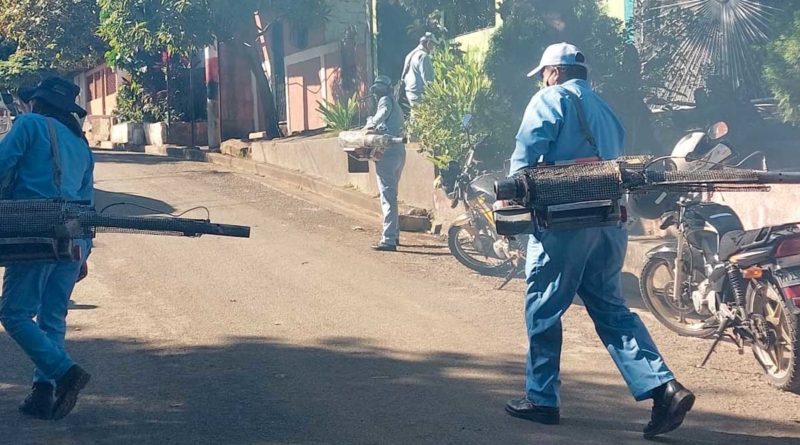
39	403
525	409
67	389
383	247
671	402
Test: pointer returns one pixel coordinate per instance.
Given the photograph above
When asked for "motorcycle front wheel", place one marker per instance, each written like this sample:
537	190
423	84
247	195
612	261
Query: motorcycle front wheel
778	351
656	283
463	246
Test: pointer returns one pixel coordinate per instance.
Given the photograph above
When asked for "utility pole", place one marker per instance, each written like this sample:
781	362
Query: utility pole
213	103
191	98
166	58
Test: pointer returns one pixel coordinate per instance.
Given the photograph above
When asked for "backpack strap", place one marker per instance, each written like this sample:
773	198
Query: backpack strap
585	129
55	158
8	183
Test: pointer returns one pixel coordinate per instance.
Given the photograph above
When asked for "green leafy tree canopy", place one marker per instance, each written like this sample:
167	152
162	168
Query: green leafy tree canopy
782	69
42	37
529	26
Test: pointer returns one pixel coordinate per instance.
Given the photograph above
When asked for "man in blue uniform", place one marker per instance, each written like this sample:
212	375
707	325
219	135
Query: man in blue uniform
567	121
46	156
388	119
418	69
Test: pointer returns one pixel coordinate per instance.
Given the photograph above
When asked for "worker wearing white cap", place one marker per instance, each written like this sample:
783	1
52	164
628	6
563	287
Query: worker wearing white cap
567	121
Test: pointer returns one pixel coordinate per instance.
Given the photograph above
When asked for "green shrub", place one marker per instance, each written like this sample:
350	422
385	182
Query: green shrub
782	69
529	26
339	116
461	87
135	104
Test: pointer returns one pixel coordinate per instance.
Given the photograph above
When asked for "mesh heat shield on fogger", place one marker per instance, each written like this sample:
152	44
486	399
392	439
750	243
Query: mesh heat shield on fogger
588	194
46	230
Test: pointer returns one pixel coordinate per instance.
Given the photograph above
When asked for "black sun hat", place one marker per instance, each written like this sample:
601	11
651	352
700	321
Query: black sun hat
57	92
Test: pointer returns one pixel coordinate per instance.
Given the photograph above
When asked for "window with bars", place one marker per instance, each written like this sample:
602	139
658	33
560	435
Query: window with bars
111	81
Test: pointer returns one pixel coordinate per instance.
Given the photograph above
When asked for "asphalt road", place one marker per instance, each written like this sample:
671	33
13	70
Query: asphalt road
302	335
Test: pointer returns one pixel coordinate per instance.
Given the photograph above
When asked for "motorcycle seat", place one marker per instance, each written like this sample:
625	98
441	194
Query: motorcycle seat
732	242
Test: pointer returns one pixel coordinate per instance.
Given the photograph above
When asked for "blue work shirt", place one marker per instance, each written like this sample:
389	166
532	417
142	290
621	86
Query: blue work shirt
551	129
388	118
419	72
25	151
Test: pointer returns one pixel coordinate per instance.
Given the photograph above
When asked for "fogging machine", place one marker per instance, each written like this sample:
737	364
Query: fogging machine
580	195
47	230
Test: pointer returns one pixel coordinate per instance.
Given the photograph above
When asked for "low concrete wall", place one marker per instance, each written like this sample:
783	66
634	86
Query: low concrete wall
180	133
757	209
155	134
98	128
128	133
322	158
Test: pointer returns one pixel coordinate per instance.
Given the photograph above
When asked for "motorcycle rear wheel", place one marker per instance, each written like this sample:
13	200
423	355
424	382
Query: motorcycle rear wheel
657	295
460	241
781	362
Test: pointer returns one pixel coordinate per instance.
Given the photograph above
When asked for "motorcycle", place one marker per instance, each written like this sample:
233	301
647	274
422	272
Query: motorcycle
472	237
717	280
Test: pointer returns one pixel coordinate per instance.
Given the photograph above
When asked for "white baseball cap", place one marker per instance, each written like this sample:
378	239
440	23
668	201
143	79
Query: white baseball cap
558	55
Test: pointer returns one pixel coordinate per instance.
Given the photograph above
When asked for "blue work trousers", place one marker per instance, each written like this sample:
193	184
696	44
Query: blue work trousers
586	262
388	170
40	290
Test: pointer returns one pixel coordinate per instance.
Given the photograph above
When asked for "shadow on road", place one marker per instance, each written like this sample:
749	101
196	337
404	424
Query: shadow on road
419	251
340	391
134	205
74	306
631	291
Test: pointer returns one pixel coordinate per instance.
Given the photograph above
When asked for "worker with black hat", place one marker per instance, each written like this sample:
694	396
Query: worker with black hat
46	156
388	119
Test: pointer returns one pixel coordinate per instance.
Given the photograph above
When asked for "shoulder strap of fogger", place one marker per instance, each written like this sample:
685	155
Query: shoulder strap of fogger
585	129
55	158
407	65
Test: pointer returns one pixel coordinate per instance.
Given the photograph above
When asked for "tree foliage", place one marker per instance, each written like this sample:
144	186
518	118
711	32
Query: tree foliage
529	26
138	29
782	68
41	37
460	87
135	27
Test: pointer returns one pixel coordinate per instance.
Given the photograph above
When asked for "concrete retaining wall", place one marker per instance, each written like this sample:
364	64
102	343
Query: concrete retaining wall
98	128
128	133
322	158
179	133
757	209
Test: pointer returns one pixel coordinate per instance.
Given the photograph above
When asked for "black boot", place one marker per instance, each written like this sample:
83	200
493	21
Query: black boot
383	247
67	389
39	403
671	402
525	409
